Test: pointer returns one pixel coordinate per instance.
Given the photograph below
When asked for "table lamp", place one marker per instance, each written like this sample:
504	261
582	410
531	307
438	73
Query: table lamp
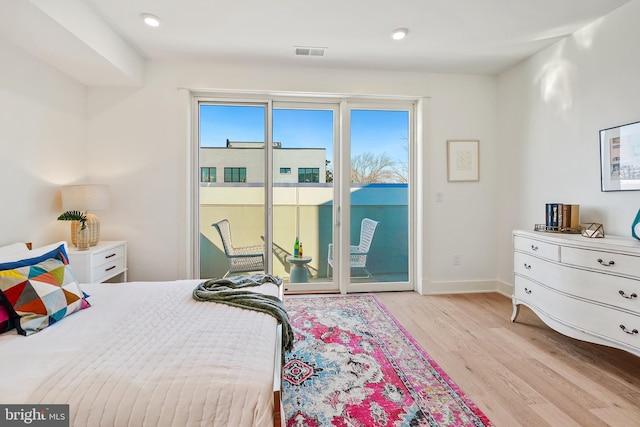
85	198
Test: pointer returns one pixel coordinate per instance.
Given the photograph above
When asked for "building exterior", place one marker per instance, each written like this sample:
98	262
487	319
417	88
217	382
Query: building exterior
244	162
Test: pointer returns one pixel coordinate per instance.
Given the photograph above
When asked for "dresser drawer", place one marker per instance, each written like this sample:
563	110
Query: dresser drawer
107	256
605	323
532	293
533	268
606	262
536	247
616	291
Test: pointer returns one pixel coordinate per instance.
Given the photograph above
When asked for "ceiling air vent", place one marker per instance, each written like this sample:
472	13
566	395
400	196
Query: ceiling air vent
310	51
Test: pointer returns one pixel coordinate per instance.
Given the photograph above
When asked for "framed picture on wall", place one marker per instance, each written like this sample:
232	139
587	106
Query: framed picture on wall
620	157
463	160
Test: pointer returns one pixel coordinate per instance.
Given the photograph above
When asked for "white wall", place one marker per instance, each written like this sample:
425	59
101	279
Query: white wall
551	108
139	145
464	223
42	146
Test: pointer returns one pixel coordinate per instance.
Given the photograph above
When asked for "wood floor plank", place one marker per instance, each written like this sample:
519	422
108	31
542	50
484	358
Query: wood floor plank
499	414
554	387
522	373
612	416
555	417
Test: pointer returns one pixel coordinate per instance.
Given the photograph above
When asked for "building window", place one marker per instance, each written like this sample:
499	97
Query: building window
285	170
235	174
207	174
308	175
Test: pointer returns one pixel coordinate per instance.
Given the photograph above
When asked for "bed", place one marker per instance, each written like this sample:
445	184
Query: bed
148	354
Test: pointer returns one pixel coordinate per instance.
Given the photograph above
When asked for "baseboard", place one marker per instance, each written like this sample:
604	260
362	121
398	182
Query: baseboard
465	287
504	288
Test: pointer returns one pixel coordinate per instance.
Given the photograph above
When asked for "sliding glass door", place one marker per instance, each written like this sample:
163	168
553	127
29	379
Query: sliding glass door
273	175
305	136
231	181
379	203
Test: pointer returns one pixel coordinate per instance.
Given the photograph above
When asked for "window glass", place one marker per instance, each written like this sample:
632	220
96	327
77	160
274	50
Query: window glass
308	174
235	174
207	174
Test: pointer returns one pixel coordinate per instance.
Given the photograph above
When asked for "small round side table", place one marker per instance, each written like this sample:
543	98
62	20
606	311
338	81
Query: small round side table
298	273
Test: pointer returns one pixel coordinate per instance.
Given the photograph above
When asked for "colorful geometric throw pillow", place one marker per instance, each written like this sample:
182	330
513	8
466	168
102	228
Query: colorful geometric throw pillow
39	295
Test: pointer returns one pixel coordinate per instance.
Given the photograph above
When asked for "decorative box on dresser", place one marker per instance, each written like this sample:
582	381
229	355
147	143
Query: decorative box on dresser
586	288
99	263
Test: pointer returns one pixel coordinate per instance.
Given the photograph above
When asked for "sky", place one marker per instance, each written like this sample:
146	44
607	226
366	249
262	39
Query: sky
371	130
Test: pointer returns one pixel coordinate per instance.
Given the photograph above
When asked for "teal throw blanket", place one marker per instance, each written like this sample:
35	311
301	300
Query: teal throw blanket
228	291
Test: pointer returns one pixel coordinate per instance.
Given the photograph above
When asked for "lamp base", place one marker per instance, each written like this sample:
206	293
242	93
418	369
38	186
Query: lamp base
93	224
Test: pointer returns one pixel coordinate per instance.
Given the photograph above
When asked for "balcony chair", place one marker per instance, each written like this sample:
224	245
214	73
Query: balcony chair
243	259
359	253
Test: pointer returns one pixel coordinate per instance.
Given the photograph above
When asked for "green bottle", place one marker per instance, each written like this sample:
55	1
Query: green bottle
296	248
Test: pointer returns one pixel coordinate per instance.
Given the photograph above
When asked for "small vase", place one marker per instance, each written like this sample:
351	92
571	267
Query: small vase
82	238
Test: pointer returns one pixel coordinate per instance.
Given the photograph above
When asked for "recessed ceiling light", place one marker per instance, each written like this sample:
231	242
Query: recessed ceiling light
150	20
399	34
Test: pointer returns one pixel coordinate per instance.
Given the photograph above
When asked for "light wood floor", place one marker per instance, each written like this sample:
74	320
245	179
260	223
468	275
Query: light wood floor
522	373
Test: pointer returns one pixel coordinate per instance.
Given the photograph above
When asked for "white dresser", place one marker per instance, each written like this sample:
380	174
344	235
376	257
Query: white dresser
585	288
99	263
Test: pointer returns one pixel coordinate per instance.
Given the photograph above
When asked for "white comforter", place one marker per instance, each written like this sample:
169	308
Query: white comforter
147	354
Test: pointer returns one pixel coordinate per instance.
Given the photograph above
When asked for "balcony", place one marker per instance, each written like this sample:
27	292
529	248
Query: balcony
305	210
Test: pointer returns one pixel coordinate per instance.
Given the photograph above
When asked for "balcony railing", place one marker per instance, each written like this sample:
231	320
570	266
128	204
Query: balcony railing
305	211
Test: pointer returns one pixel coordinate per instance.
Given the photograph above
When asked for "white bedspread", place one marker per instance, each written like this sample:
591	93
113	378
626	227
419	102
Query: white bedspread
147	354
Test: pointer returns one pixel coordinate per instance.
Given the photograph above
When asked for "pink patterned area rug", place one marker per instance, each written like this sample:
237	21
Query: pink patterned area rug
354	365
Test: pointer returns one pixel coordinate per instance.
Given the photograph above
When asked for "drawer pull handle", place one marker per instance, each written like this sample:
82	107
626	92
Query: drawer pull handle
110	268
527	266
609	264
534	248
633	332
527	290
110	256
632	296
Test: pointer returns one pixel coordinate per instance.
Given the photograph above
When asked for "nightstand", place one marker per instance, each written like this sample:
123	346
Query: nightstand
99	263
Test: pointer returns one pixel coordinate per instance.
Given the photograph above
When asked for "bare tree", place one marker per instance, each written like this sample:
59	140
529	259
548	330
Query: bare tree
401	169
400	172
369	168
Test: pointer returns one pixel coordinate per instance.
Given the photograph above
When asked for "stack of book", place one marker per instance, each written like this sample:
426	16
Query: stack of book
562	217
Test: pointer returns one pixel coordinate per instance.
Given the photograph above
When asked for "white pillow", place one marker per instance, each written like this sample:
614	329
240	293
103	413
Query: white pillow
13	249
17	255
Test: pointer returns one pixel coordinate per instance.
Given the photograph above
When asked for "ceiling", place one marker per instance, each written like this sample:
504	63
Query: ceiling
452	36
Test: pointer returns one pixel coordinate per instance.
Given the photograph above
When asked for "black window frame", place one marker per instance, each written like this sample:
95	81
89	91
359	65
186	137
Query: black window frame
235	174
311	173
209	170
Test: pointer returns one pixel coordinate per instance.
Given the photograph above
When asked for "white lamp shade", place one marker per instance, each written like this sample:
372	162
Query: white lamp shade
88	197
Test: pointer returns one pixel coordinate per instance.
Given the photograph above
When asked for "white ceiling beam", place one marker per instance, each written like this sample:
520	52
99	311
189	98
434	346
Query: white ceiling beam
71	37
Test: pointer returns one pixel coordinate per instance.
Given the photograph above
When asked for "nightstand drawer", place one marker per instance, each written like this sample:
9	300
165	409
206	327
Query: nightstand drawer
107	256
107	270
